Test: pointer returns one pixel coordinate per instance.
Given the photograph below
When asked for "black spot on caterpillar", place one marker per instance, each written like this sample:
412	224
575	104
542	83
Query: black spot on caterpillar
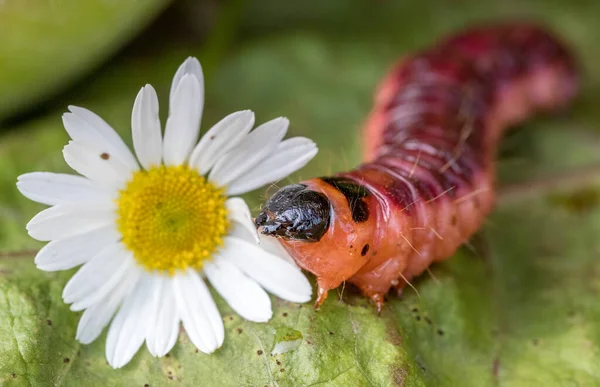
354	194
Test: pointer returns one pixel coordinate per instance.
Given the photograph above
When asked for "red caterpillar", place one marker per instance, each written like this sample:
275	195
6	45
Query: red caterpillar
427	180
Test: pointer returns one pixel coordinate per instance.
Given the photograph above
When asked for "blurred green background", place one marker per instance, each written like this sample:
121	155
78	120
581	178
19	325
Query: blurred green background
518	307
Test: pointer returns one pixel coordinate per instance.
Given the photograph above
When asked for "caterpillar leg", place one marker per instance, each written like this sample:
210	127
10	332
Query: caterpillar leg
378	299
401	283
376	282
321	294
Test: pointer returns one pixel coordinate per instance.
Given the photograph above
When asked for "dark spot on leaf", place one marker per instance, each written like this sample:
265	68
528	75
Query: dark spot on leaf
196	351
168	355
146	385
171	377
213	137
440	332
104	156
284	314
391	333
415	310
496	367
240	330
398	375
308	342
230	318
351	246
579	201
418	318
535	342
428	320
66	360
364	250
13	375
259	352
331	333
49	322
454	220
281	370
278	362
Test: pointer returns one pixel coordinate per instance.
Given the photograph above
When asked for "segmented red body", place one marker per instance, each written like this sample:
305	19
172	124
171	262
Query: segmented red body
431	142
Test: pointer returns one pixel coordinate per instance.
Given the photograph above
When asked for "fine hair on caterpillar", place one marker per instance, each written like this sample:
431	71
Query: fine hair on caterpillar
427	179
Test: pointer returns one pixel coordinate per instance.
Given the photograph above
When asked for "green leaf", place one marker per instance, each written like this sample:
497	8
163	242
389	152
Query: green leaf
46	45
518	307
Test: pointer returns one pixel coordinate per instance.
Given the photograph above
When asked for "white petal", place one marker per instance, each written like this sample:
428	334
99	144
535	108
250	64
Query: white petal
145	128
289	156
260	143
223	136
238	211
267	243
272	245
127	272
98	277
94	164
183	125
65	220
128	330
244	295
67	253
198	312
96	317
164	321
273	273
88	128
189	66
239	231
57	188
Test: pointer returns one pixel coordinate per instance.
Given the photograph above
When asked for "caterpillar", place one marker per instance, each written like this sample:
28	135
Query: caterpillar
427	178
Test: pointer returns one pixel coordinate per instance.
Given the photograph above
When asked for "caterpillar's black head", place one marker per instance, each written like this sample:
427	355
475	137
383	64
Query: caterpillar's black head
295	212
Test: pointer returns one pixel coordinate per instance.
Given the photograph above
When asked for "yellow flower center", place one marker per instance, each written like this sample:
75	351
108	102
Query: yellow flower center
171	218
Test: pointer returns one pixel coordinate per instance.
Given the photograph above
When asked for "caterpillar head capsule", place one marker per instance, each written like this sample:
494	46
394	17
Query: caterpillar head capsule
325	225
295	213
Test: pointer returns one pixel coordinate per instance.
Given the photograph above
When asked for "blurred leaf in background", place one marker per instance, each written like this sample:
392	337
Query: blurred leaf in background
517	308
48	44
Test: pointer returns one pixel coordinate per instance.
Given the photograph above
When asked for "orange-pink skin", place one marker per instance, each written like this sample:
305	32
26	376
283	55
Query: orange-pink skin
402	247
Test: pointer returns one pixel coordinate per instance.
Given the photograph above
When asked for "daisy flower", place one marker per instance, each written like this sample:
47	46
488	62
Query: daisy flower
148	230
